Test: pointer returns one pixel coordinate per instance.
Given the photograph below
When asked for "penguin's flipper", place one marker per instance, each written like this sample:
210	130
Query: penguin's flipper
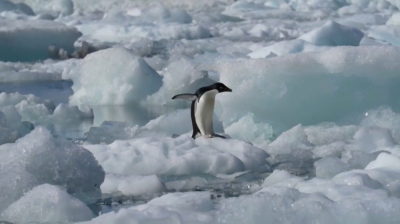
185	96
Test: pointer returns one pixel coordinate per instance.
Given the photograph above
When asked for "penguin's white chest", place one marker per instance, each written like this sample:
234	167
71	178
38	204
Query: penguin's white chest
204	112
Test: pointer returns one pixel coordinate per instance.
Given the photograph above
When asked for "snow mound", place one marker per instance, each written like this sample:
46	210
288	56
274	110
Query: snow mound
39	158
334	34
46	203
132	185
28	40
181	155
114	77
191	207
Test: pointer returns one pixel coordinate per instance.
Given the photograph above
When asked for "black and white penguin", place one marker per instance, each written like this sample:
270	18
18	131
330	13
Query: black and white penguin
202	108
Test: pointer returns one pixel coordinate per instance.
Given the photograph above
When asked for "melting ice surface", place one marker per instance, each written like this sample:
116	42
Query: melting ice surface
312	124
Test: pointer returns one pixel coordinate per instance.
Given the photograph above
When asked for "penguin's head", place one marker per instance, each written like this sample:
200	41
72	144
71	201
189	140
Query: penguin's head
221	87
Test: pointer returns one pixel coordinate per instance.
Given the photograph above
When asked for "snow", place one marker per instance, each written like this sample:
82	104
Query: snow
28	40
132	185
47	203
102	83
38	158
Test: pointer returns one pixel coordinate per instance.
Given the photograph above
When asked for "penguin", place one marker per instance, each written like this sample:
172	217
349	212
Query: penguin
202	108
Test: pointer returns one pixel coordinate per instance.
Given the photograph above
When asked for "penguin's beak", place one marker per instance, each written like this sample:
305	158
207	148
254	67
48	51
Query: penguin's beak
228	90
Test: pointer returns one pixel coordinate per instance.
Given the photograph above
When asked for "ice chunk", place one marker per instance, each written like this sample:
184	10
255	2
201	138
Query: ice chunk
371	139
16	98
394	20
386	34
40	33
246	129
355	179
272	88
289	141
132	185
286	47
358	159
333	149
281	178
327	133
191	207
47	203
121	33
67	113
114	77
109	131
65	7
7	135
39	158
164	15
181	155
385	161
334	34
383	117
328	167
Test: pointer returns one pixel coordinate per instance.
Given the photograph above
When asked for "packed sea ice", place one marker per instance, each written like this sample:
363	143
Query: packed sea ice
312	126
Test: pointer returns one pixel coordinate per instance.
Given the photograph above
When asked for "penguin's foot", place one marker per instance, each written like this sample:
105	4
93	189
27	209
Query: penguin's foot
218	136
208	136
